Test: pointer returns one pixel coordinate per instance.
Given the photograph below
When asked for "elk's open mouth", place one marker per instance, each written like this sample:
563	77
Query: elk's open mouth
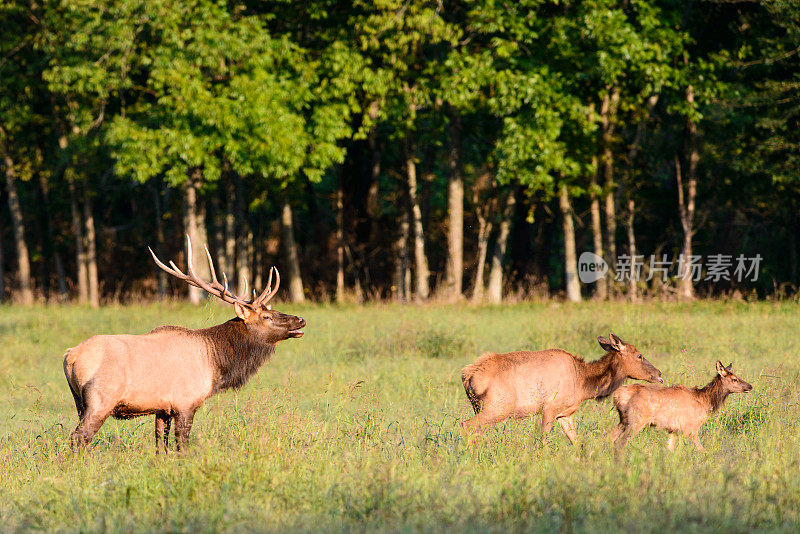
657	379
297	332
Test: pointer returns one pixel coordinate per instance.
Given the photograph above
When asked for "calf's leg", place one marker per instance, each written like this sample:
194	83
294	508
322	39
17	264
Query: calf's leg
568	426
614	434
631	430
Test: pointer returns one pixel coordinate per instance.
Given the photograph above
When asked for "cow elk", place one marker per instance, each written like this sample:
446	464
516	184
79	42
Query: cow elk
553	382
172	370
674	409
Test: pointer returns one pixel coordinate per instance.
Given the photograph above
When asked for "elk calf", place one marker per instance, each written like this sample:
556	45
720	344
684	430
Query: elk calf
553	382
674	409
172	370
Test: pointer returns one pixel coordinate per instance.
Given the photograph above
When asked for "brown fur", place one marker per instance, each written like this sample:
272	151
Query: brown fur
170	371
553	382
676	409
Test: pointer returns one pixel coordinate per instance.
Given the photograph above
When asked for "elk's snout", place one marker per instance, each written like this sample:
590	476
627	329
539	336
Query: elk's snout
295	331
657	378
748	387
655	374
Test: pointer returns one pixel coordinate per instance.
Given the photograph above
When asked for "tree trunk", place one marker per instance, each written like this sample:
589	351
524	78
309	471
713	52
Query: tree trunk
632	293
792	238
484	230
601	285
244	240
2	273
195	229
686	201
292	257
339	243
91	250
18	226
373	193
230	231
420	259
607	113
62	277
570	257
161	276
77	230
401	283
455	215
495	289
46	234
216	225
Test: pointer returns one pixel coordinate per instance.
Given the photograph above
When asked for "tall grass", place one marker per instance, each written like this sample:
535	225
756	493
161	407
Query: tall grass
356	426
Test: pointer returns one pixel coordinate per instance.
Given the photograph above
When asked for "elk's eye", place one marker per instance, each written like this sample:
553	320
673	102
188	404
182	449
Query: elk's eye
639	356
267	318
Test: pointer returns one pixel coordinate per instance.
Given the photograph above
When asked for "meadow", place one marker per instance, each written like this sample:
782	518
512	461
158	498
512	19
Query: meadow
356	426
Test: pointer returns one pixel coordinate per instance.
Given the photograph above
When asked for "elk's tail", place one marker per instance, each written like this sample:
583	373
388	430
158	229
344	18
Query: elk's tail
474	384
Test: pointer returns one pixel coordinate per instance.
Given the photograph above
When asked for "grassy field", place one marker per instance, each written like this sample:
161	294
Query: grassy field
356	426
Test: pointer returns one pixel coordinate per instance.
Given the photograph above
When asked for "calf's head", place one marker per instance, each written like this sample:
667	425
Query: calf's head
631	361
731	382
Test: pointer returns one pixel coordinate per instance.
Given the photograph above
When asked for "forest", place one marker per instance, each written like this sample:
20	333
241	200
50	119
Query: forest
399	149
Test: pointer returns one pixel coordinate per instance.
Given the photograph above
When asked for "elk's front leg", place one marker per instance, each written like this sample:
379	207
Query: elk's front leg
697	444
671	442
183	426
163	423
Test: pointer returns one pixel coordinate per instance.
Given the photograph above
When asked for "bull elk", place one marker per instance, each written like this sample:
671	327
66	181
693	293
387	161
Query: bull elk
674	409
172	370
553	382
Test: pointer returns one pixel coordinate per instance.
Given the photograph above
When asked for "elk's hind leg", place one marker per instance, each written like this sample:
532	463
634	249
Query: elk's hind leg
163	423
671	442
697	444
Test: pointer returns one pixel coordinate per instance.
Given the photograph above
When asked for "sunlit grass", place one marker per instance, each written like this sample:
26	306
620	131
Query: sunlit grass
356	425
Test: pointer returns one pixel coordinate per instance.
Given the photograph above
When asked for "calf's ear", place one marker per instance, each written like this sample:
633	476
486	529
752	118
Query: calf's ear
721	369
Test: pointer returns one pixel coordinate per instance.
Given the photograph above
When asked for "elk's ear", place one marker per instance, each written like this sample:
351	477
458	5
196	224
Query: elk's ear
605	344
721	369
616	341
242	312
730	367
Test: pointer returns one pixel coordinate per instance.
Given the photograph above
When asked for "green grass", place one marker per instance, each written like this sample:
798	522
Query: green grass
356	426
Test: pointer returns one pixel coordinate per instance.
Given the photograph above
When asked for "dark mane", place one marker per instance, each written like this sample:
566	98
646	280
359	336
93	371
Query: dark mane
603	376
714	392
235	353
169	328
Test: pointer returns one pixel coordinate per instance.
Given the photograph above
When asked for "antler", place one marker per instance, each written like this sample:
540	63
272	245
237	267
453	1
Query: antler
214	287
